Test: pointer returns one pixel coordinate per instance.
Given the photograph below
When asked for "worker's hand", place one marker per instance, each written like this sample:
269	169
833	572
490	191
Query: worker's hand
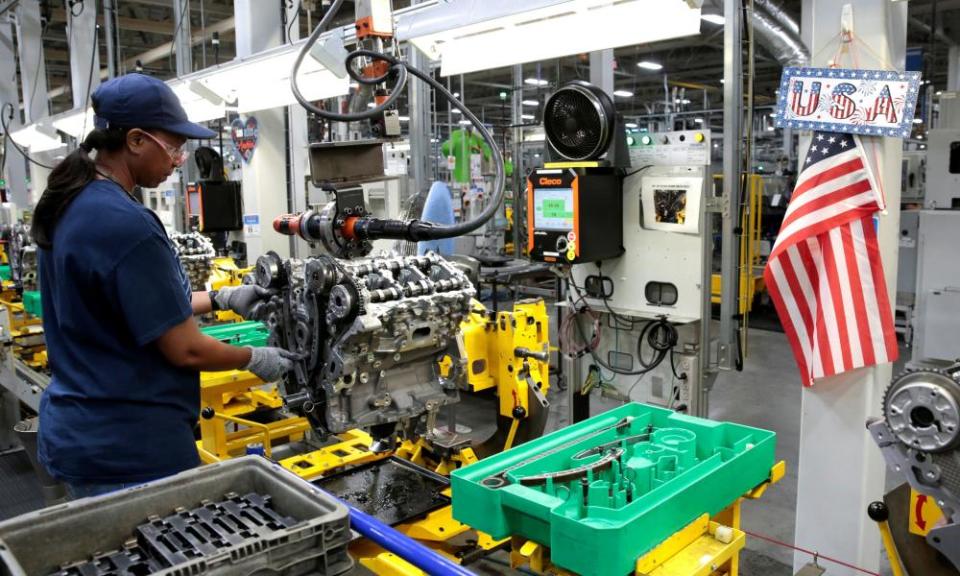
269	364
241	299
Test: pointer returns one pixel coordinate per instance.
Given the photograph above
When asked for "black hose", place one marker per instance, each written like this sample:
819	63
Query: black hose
416	229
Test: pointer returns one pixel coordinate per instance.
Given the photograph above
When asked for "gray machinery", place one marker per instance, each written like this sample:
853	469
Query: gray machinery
369	333
937	308
919	436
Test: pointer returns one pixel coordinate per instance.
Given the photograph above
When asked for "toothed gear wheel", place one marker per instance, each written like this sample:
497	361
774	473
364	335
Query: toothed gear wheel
922	409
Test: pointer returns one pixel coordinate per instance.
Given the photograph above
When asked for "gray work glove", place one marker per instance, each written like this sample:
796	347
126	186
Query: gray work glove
241	299
269	364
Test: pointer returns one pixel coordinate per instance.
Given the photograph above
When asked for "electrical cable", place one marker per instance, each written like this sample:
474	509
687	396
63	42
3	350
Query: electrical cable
293	18
637	171
417	229
5	123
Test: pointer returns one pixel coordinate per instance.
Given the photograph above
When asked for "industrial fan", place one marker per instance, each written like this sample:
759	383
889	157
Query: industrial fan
581	124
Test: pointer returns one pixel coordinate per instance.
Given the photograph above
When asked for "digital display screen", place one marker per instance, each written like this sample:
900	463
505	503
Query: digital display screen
553	209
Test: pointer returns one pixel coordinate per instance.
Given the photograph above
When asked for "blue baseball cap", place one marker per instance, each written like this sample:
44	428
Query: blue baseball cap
139	101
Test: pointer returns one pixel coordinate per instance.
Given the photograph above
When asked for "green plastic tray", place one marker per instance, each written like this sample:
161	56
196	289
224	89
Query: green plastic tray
31	303
645	473
240	333
4	271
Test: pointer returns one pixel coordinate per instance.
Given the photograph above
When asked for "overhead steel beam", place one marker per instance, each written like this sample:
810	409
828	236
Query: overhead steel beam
165	28
181	40
209	8
225	26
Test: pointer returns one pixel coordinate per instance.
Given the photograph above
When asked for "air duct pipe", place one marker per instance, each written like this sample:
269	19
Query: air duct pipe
779	34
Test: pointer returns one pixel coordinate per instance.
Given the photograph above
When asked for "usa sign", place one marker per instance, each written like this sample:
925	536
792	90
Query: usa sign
870	102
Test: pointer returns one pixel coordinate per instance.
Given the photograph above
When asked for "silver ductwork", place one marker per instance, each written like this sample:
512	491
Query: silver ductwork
779	34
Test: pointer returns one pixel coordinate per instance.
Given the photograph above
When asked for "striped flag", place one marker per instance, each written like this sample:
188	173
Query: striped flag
824	273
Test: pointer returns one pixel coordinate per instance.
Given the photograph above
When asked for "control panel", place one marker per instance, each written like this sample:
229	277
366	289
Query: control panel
680	148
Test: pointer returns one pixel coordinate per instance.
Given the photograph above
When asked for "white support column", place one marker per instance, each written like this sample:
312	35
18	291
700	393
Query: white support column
34	87
15	173
182	37
953	69
84	54
840	468
298	141
259	27
601	70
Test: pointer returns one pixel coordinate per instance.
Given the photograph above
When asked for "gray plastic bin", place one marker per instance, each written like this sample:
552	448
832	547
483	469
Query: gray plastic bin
41	542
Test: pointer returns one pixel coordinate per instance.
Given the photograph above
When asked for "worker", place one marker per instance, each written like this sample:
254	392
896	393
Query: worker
124	348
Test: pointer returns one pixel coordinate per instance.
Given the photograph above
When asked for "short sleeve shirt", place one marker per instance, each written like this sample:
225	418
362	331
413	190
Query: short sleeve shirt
116	410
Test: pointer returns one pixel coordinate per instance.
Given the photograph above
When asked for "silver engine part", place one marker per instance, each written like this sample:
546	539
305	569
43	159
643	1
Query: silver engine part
370	333
919	435
22	253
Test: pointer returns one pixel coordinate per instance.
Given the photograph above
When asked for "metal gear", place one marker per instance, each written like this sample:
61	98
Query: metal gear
922	409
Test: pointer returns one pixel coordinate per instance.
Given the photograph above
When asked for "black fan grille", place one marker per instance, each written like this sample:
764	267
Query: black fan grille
573	124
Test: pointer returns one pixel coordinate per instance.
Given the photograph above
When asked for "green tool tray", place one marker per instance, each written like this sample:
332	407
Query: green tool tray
240	333
31	303
604	492
4	272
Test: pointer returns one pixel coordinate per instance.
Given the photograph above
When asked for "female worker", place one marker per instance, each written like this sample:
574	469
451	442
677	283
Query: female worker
124	348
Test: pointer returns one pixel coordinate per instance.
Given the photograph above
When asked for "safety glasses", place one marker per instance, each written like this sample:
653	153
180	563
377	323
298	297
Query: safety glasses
177	155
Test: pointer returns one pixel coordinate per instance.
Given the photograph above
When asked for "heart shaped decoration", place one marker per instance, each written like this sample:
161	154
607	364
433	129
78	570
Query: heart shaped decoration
244	135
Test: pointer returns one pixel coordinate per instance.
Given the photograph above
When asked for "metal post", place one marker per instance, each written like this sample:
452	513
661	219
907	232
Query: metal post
34	88
109	7
840	468
519	171
601	70
15	173
419	125
84	55
181	41
732	118
953	69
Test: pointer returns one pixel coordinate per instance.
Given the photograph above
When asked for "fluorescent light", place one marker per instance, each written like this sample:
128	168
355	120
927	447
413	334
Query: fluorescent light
536	82
630	125
455	111
403	118
36	138
465	122
698	120
262	81
647	65
527	116
770	128
199	102
535	30
75	123
918	120
623	93
722	80
713	19
530	103
938	93
679	101
456	94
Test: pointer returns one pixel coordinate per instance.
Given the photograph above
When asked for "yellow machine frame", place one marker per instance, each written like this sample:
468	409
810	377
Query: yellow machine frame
751	273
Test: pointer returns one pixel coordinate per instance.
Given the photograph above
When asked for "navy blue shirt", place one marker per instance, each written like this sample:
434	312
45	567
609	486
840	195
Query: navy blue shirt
116	410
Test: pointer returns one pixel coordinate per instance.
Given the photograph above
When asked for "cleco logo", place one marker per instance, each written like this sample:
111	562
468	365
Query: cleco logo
550	181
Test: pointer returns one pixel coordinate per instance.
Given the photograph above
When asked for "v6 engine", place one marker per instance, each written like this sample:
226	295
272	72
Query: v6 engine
369	333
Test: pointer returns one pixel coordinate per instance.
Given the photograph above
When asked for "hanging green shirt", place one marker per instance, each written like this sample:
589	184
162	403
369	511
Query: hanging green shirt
461	145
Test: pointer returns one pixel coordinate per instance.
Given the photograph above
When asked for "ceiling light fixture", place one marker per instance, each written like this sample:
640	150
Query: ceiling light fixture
647	65
530	103
623	93
536	82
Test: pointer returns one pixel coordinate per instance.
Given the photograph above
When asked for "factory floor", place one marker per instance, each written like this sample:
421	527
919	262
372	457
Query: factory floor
768	372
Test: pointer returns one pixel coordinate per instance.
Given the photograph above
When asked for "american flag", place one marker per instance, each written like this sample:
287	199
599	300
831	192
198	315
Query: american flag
843	106
824	273
796	99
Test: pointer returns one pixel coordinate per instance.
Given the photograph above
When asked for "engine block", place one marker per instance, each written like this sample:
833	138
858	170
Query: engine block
369	333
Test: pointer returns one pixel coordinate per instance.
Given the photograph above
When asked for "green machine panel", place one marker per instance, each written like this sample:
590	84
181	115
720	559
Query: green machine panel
605	491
